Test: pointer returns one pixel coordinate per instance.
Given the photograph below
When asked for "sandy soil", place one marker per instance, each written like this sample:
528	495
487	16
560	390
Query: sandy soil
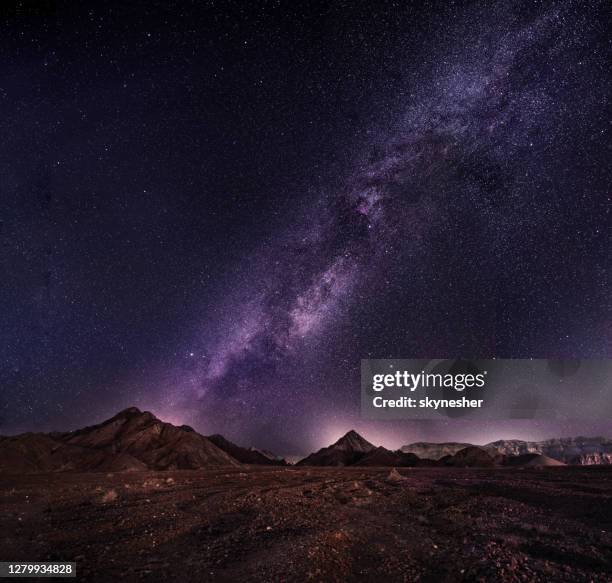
319	524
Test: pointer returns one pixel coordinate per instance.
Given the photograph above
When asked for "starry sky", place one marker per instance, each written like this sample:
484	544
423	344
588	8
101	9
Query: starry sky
214	210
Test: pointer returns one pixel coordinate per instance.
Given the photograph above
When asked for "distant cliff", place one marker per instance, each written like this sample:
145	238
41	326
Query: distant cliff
434	451
569	450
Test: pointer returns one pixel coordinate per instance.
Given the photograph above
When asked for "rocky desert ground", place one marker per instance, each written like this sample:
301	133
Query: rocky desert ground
316	524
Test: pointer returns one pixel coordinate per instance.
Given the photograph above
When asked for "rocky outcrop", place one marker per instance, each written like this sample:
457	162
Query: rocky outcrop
246	455
131	440
528	460
569	450
592	459
433	451
469	457
348	450
383	457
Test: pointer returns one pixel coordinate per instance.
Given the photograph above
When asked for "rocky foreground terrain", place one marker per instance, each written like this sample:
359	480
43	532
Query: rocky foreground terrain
267	523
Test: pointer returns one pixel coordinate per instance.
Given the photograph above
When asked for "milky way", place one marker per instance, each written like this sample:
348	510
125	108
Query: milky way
471	142
399	182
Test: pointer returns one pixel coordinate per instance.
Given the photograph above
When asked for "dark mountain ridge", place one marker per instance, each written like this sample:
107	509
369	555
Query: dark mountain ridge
348	450
353	450
132	440
246	455
569	450
135	440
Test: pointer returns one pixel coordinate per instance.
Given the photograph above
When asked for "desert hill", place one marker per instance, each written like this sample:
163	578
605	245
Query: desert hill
349	449
350	452
353	450
385	457
135	440
569	450
433	451
531	460
131	440
246	455
468	457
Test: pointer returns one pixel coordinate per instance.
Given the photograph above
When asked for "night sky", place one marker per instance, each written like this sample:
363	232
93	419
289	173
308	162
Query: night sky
214	210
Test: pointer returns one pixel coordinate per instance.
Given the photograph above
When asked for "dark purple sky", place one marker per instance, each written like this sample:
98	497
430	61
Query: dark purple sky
215	213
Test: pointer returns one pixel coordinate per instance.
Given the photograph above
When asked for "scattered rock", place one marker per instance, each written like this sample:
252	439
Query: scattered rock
109	496
395	476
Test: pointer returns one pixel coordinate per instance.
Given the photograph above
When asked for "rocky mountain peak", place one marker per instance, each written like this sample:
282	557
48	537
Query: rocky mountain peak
352	441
